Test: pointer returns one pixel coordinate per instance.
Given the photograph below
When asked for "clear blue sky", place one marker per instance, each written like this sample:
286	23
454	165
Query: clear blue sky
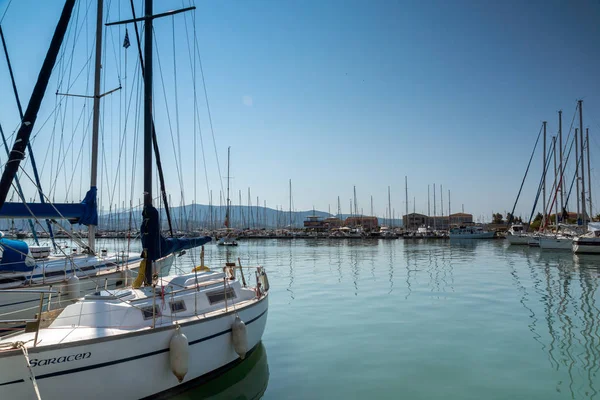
334	94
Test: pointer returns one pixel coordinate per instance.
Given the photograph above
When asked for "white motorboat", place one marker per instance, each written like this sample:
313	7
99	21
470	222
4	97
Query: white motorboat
425	232
516	235
169	334
347	233
227	241
387	233
470	232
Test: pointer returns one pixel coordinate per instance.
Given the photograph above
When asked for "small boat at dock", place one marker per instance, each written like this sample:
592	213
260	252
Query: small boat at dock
590	242
470	232
516	235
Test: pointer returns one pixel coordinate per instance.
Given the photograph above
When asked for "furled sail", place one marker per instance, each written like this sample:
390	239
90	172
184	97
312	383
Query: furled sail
156	244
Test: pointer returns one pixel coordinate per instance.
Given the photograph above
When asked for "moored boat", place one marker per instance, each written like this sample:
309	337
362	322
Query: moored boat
470	232
131	335
590	242
516	235
556	242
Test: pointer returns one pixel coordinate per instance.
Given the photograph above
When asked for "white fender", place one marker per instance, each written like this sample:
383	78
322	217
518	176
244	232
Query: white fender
239	337
179	354
73	287
265	282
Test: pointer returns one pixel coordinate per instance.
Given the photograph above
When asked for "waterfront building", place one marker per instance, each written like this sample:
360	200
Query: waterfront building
414	221
367	223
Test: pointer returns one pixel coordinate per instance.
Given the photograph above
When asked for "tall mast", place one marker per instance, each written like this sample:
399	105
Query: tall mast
587	143
577	173
227	205
290	203
449	209
434	211
96	116
242	218
406	198
555	186
250	212
544	180
390	205
148	73
372	205
583	202
355	204
442	200
560	164
428	203
211	209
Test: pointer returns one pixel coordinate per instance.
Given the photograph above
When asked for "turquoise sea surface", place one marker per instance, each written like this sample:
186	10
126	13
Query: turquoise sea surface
417	319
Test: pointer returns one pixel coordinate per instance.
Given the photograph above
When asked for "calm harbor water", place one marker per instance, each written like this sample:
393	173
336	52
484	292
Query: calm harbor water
418	320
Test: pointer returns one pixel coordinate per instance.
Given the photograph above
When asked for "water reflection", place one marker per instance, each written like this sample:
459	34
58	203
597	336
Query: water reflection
291	274
247	380
566	287
436	261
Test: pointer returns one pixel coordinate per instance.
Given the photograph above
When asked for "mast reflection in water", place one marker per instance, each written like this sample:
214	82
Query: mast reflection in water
567	328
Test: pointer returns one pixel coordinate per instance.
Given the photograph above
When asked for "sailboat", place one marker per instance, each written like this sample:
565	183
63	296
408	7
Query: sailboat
70	273
227	240
147	340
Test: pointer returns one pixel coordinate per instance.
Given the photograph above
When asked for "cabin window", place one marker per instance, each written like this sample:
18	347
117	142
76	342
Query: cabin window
147	312
219	295
177	306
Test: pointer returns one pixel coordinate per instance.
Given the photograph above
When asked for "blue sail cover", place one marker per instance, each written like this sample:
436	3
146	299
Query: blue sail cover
90	208
157	245
85	213
14	253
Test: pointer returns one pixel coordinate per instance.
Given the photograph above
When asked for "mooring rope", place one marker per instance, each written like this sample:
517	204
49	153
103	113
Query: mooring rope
23	347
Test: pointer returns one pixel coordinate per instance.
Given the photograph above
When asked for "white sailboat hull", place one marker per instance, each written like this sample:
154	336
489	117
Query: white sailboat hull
128	366
522	240
586	245
556	243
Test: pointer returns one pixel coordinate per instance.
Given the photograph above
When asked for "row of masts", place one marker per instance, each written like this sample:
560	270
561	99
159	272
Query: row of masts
583	191
254	215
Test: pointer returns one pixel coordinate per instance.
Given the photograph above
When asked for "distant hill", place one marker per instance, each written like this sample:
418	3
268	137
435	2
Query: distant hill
199	216
203	216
